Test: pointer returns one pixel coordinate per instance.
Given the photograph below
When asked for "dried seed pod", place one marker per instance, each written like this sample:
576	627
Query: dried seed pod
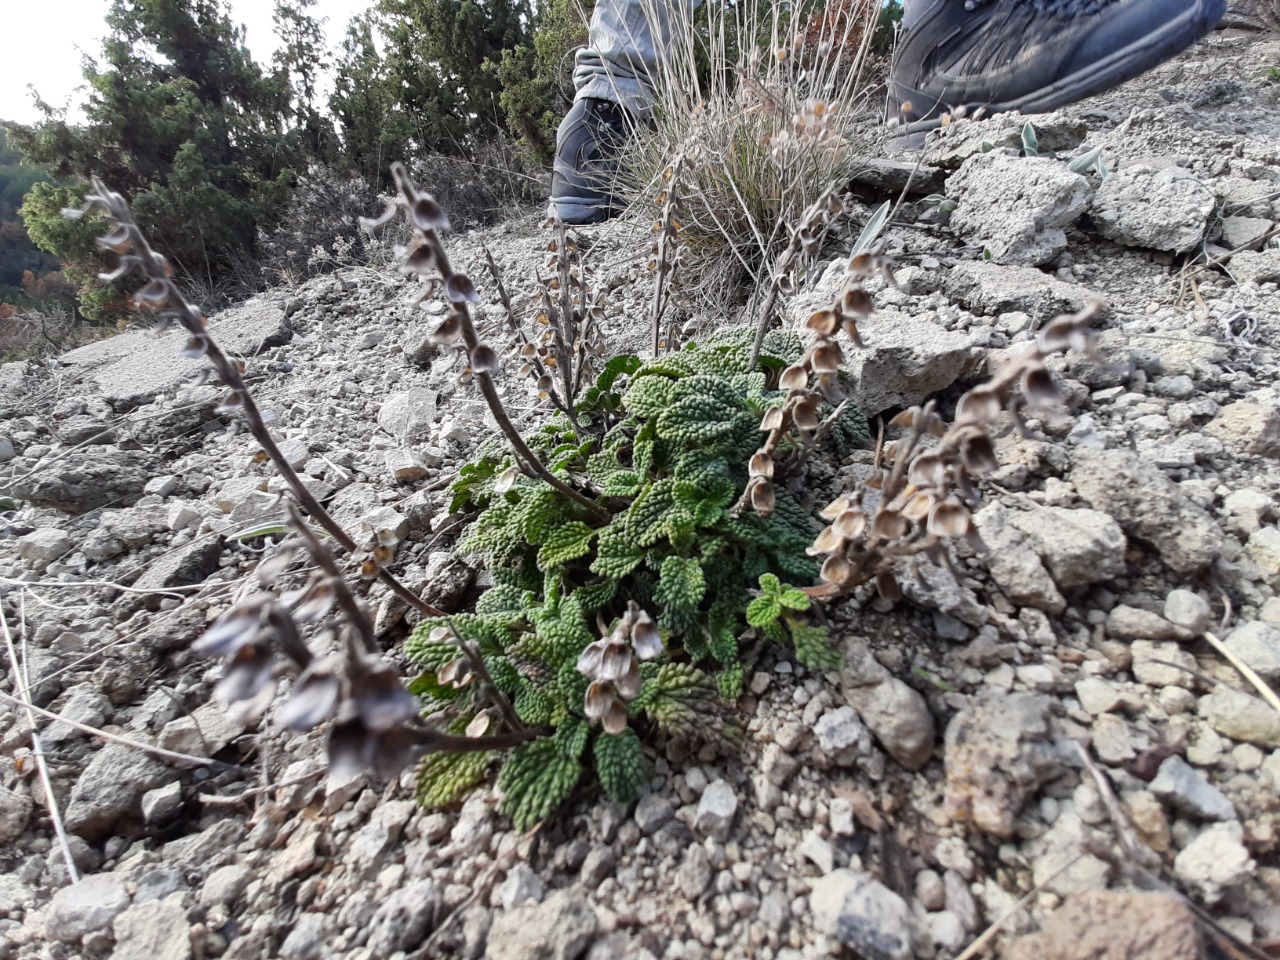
837	506
837	570
828	541
591	658
763	498
772	420
599	700
427	215
978	455
918	507
614	662
479	725
856	304
645	637
459	289
804	413
313	698
927	470
826	357
1038	385
628	685
506	480
485	360
950	519
850	524
761	465
795	377
889	525
825	323
980	405
450	330
615	720
887	586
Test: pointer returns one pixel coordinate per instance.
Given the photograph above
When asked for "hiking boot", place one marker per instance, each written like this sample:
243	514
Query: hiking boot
1032	56
588	143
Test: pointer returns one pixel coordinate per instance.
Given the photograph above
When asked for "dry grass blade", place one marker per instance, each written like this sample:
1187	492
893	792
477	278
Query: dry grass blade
20	685
1246	671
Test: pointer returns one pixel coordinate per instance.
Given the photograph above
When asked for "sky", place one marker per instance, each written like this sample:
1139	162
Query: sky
46	41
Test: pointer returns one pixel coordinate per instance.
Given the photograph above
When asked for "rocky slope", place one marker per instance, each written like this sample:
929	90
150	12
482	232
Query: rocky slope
894	809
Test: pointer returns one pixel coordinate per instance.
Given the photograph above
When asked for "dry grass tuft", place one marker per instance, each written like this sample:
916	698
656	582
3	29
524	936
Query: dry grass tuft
764	109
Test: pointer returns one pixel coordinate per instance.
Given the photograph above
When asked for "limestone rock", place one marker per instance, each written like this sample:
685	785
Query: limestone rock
1141	206
998	753
559	928
1149	506
1113	924
1017	208
862	914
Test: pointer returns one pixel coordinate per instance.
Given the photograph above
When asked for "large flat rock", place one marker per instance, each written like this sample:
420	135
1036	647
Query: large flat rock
135	367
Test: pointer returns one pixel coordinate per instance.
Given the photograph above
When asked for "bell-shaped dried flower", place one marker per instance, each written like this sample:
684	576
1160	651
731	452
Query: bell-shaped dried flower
763	498
421	259
427	215
980	405
905	418
826	542
825	323
231	632
837	570
850	524
628	685
927	470
378	694
772	420
949	519
615	660
887	586
615	719
485	360
395	749
1038	385
918	507
249	671
805	414
599	700
646	640
459	289
196	347
506	480
889	525
795	377
313	698
455	673
313	603
760	465
351	747
479	725
271	568
826	357
837	506
449	331
978	455
591	658
370	224
856	304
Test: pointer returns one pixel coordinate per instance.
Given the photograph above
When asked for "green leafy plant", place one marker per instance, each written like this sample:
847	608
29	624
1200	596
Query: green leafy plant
665	446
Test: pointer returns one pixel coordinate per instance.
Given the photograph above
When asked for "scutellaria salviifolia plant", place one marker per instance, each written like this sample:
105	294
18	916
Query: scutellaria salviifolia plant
377	725
623	585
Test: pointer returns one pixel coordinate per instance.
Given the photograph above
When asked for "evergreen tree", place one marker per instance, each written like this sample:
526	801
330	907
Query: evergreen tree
183	122
366	105
437	51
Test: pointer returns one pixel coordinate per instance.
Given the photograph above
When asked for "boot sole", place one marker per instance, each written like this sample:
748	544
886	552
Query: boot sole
1124	64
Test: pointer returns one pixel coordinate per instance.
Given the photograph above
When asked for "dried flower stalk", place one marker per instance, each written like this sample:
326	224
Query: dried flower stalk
427	257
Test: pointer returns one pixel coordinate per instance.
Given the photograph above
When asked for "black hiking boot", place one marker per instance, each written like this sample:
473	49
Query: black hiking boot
588	143
1032	56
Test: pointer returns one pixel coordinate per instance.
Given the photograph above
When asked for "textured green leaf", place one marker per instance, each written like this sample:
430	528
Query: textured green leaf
622	483
649	396
763	610
444	777
697	419
566	542
535	780
617	554
681	584
620	765
813	645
